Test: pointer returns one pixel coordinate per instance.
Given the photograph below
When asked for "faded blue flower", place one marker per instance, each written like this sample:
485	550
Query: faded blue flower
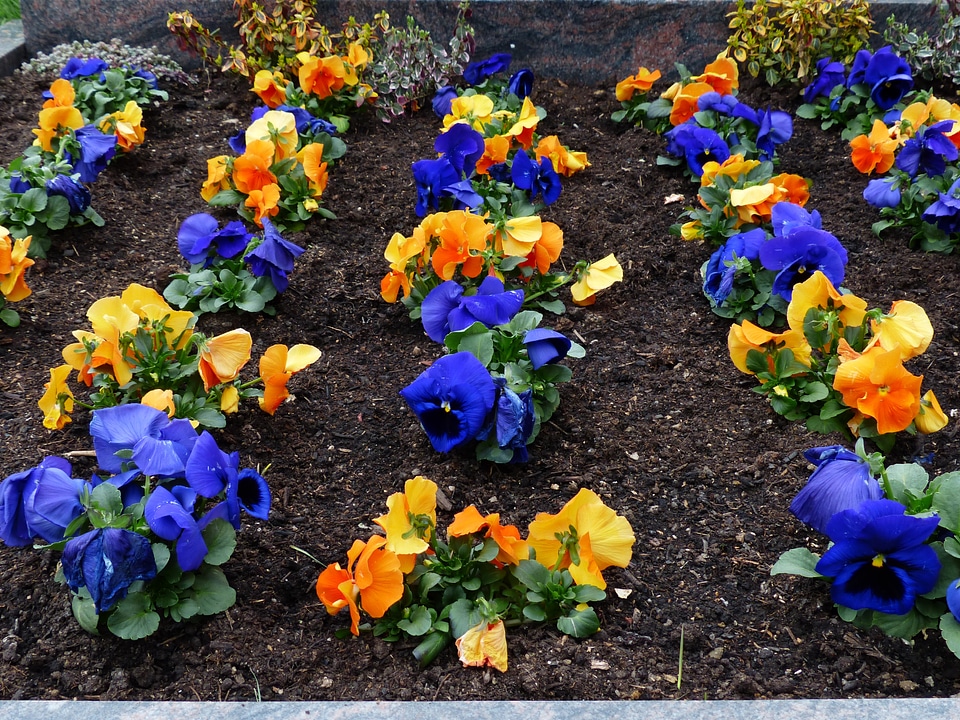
106	561
841	481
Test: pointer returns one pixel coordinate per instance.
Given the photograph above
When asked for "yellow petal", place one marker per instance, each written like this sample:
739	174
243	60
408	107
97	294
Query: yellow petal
300	357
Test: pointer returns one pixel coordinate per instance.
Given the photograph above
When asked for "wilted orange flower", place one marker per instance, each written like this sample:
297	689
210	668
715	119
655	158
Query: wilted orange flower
875	151
410	520
495	151
641	82
372	576
484	644
57	401
13	264
161	400
906	327
277	365
323	76
463	237
722	75
218	177
265	202
598	276
818	292
745	337
513	548
685	102
601	537
222	357
314	169
565	162
125	124
230	400
931	417
392	283
277	127
270	87
877	384
251	171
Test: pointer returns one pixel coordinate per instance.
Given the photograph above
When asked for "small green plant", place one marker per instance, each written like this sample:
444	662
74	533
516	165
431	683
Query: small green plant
115	53
783	39
932	58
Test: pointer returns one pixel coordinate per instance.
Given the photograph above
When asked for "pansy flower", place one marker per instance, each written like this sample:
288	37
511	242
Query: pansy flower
446	309
57	400
222	357
323	76
13	264
640	82
801	252
126	126
874	152
928	150
538	178
521	83
201	239
97	149
106	561
842	480
830	73
274	256
468	521
143	435
545	347
484	645
877	384
597	276
885	192
479	70
410	521
169	513
462	146
944	212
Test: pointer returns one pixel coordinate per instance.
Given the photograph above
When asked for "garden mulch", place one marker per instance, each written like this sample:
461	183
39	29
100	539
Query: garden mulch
656	420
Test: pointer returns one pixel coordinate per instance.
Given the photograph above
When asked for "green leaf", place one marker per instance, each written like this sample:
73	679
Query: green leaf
212	591
907	481
9	317
535	613
798	561
463	616
903	626
426	652
946	501
133	617
419	622
579	623
806	111
814	391
85	611
221	540
552	306
106	498
588	593
532	574
474	340
34	200
57	214
950	631
161	555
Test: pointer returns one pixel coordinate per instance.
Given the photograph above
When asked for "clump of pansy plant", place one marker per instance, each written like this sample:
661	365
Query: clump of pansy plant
841	367
230	267
468	587
701	117
281	169
140	350
497	386
852	98
91	112
916	152
492	177
894	557
13	264
145	537
751	276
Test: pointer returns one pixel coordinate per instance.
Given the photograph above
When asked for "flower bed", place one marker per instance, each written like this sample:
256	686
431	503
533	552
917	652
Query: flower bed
659	423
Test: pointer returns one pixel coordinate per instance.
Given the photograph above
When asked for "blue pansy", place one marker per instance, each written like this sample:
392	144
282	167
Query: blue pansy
787	216
446	309
56	500
106	561
841	481
97	149
19	521
77	67
443	99
830	73
545	346
928	150
477	72
274	256
462	146
521	83
944	212
516	418
721	268
800	253
169	513
452	399
882	192
432	178
859	67
879	559
715	102
537	178
307	122
889	78
76	194
697	145
201	239
18	184
156	444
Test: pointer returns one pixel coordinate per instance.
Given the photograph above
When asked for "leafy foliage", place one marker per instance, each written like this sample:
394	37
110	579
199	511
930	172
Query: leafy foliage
932	58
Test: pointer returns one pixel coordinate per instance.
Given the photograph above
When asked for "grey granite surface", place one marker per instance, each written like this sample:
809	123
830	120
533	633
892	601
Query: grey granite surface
589	40
920	709
13	50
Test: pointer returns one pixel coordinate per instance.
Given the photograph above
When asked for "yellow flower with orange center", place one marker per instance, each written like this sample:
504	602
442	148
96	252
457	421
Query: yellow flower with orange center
218	177
277	127
372	577
733	167
642	81
13	264
323	76
743	338
125	124
475	110
270	87
818	292
222	357
565	162
277	365
878	385
597	276
586	537
520	235
547	249
524	124
410	521
392	283
57	401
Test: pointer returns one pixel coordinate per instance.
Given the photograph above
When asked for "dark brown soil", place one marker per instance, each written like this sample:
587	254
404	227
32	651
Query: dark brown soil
656	420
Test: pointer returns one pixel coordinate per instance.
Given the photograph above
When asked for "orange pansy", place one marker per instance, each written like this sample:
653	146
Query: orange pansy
875	151
265	202
743	338
222	357
251	171
877	384
277	365
641	82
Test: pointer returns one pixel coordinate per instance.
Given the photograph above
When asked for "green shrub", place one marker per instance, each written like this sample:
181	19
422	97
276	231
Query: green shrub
936	58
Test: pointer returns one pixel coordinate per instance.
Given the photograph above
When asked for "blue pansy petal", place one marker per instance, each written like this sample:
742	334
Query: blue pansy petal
521	83
121	428
107	561
170	520
443	99
545	346
953	599
253	493
195	235
436	308
841	481
208	467
57	501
